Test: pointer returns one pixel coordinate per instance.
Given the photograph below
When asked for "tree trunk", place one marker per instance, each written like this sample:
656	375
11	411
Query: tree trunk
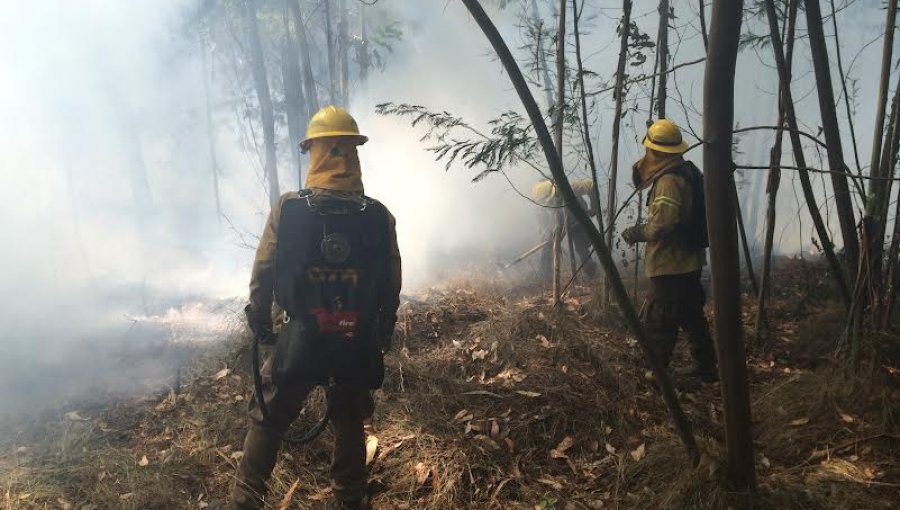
309	81
775	176
619	94
887	51
703	24
343	47
748	256
294	106
784	77
329	42
880	284
266	110
362	49
558	120
718	119
586	131
663	51
843	200
682	424
210	129
874	224
542	60
840	66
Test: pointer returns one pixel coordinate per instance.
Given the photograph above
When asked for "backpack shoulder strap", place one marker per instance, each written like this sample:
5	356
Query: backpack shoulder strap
683	170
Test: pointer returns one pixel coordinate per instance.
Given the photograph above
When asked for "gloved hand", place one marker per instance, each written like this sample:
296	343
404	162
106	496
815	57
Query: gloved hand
633	235
260	323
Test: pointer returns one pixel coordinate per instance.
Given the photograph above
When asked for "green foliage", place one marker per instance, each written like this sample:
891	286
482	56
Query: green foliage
510	140
383	39
638	43
547	502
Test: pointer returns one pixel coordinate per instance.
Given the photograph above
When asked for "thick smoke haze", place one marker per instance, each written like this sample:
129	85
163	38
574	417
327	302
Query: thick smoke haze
107	214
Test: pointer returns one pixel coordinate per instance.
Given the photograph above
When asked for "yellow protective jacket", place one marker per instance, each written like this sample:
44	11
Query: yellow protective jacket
545	193
262	279
670	203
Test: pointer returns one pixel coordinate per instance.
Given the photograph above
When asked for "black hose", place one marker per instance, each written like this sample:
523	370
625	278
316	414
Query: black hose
305	438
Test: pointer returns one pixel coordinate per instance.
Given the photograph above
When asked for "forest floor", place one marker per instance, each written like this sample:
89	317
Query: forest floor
494	401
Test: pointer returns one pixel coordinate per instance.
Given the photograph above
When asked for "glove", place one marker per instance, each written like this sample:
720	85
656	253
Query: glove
633	235
260	324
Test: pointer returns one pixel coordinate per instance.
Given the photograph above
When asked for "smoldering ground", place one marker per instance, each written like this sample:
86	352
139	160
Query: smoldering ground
114	250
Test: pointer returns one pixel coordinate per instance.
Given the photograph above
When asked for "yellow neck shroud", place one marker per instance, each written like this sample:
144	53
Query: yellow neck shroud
334	165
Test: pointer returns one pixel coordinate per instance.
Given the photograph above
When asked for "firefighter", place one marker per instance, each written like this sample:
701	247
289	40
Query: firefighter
546	195
675	233
328	257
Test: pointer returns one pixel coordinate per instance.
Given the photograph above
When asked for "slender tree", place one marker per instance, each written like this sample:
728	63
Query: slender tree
329	44
774	179
843	200
294	105
344	49
266	110
309	81
585	124
663	49
579	214
718	119
559	119
784	79
619	96
881	97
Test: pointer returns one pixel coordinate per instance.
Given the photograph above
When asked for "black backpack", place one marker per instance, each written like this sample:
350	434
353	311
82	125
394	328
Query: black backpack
332	263
694	232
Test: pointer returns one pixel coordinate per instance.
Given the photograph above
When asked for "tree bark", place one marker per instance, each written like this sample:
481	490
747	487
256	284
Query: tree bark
586	131
874	224
843	200
261	83
718	119
775	176
881	285
887	51
784	77
362	49
295	109
682	424
559	119
703	24
542	61
343	46
663	51
840	65
745	245
329	42
619	93
309	81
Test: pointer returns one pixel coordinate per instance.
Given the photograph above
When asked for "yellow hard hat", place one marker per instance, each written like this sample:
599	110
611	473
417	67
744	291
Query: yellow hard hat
665	136
543	191
332	121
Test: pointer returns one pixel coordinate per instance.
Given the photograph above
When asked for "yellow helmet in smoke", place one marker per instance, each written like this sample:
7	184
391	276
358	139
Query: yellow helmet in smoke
665	136
332	121
543	191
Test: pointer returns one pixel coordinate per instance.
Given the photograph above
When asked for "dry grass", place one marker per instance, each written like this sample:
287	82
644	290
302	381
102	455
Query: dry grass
492	401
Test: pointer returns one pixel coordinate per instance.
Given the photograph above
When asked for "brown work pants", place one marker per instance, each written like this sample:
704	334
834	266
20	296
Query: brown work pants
676	301
349	407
